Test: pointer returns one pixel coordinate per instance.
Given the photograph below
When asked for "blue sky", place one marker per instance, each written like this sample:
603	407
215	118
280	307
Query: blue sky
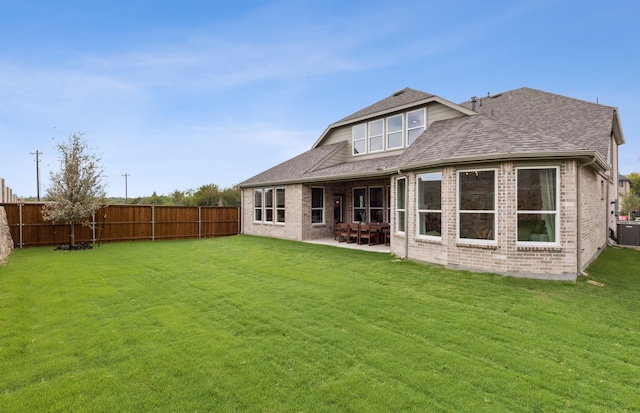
180	94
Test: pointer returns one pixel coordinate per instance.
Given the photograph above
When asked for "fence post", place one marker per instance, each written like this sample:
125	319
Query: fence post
20	224
199	222
93	227
153	223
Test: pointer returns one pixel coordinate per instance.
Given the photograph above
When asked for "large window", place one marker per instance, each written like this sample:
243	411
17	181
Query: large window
280	205
415	125
359	139
359	205
257	204
430	204
537	204
477	204
394	131
376	133
317	205
268	205
401	210
376	204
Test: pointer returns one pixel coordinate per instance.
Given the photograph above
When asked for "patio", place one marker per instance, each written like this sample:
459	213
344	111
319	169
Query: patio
352	245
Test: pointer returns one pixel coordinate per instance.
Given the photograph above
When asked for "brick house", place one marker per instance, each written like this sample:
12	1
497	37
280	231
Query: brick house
521	183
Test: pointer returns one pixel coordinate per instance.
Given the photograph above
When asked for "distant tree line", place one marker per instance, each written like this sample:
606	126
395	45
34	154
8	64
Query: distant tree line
206	195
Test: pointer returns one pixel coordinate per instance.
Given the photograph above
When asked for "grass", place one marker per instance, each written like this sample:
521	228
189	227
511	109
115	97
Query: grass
248	324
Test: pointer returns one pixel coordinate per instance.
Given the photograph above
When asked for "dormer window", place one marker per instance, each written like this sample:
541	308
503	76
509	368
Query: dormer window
415	125
394	132
395	126
376	132
359	139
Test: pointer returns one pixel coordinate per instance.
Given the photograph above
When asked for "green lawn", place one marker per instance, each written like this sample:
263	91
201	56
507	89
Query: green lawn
248	324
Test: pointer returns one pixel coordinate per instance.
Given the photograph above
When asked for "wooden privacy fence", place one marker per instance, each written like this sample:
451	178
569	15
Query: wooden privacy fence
113	223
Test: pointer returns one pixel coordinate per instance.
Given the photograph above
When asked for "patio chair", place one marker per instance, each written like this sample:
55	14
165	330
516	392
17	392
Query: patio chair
352	233
366	233
343	232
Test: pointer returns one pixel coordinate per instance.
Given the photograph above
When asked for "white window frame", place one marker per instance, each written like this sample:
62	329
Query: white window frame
359	206
388	132
318	208
278	208
370	129
404	202
258	208
556	212
362	138
376	208
423	126
267	193
427	211
494	211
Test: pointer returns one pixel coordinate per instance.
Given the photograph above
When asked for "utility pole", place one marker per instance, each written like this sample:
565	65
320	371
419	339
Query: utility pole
126	175
37	153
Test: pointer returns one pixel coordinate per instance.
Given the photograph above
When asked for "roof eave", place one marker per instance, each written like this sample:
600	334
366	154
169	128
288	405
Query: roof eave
583	154
382	173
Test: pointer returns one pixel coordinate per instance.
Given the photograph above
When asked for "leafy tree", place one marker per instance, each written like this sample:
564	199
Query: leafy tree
78	189
231	196
630	203
178	198
207	195
634	177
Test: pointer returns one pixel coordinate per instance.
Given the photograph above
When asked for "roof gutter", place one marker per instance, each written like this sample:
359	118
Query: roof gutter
361	175
592	156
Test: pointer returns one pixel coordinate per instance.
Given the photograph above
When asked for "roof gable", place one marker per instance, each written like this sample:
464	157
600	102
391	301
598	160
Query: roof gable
398	99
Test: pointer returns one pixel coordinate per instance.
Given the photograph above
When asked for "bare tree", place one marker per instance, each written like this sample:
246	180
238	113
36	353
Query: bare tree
78	189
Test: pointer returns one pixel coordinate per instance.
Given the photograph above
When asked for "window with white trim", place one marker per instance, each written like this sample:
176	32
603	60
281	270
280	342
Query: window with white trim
268	205
429	204
537	204
359	137
390	133
359	205
376	204
376	133
257	204
477	204
401	211
415	124
280	205
317	205
395	126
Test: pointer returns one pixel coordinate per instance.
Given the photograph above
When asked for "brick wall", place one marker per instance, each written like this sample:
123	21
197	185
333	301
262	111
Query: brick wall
294	215
506	255
593	215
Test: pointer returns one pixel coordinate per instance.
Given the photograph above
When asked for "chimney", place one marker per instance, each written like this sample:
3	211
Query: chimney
473	103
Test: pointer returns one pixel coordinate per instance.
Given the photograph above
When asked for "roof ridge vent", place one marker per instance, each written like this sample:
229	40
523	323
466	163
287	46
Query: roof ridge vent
399	92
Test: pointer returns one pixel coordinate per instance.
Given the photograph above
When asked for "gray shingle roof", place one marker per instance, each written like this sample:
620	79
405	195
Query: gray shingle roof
477	137
586	124
518	123
400	98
